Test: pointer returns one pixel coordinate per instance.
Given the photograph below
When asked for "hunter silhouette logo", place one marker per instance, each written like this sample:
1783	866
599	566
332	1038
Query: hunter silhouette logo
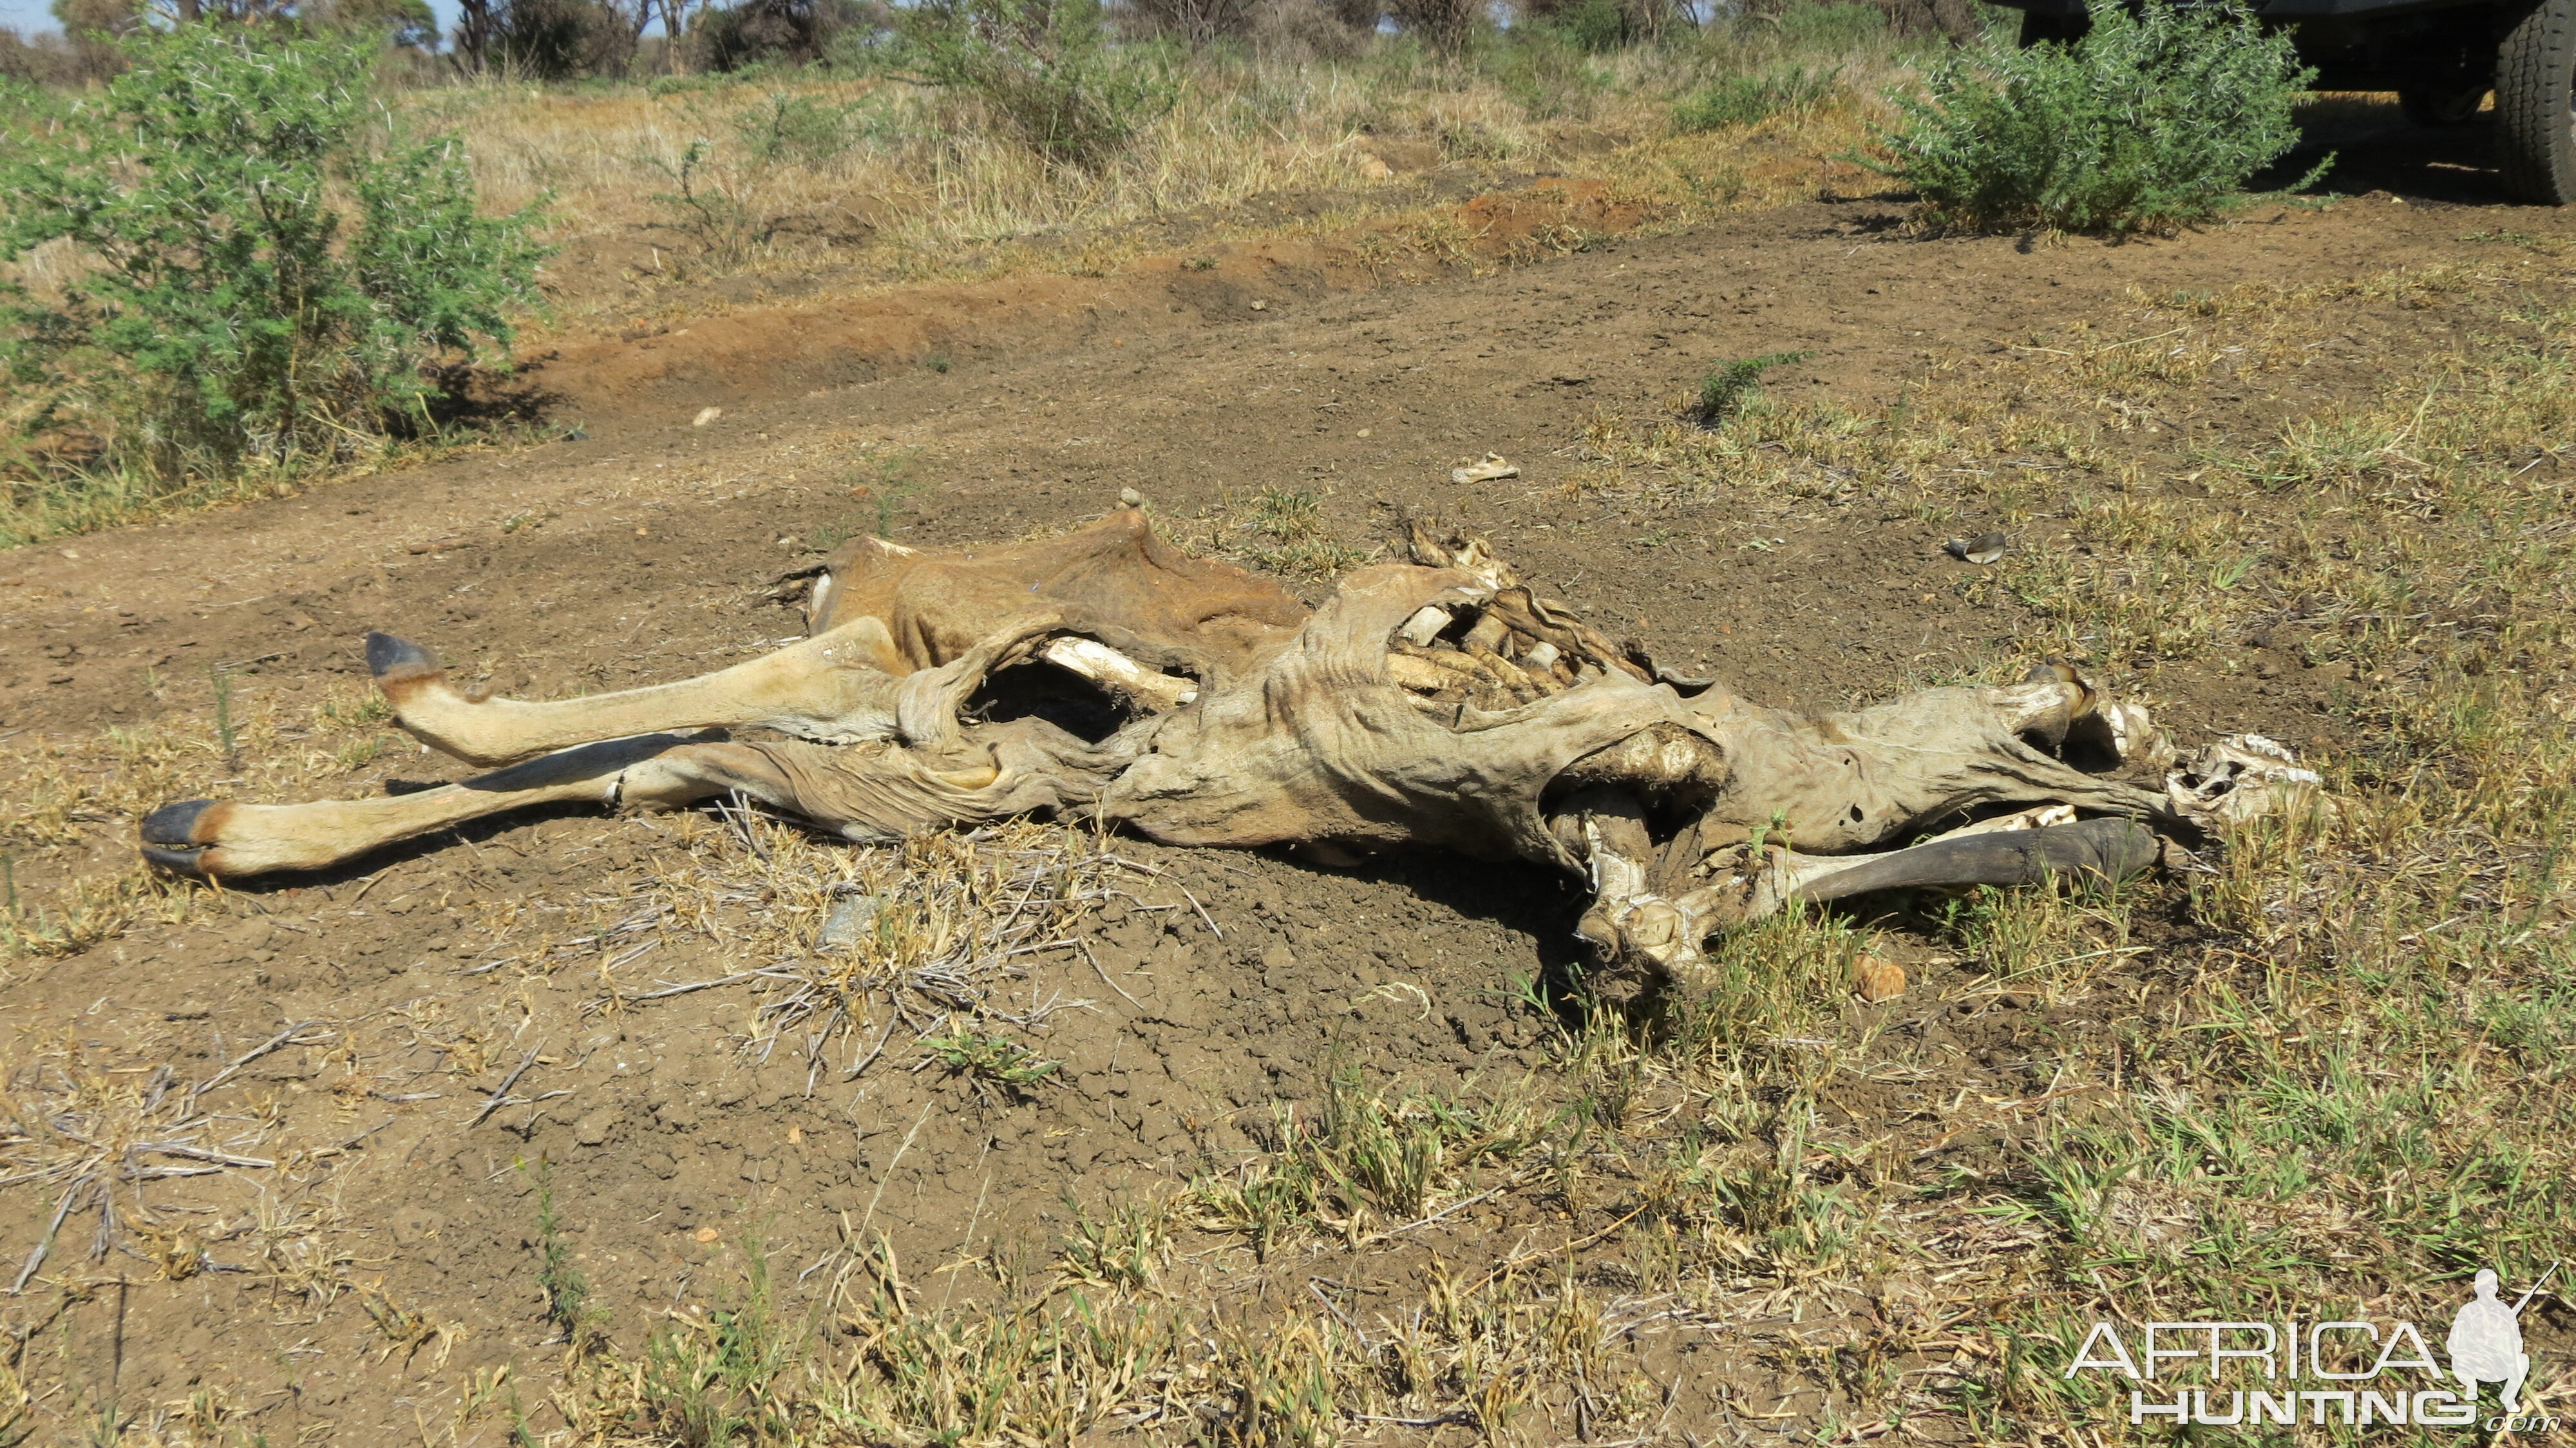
2349	1372
2486	1340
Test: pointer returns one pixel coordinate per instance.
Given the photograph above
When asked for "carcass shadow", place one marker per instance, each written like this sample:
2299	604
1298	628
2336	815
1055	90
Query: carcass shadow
2370	146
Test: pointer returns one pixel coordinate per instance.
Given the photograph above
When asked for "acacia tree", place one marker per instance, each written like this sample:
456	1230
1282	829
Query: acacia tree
226	298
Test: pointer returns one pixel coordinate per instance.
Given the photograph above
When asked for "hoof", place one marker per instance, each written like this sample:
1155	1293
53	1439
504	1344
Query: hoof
390	657
175	824
178	862
174	837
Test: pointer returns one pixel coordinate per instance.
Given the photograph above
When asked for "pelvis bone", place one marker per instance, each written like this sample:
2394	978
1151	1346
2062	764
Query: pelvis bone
1106	676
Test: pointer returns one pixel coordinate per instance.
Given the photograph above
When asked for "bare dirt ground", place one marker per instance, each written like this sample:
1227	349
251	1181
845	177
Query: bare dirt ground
363	1254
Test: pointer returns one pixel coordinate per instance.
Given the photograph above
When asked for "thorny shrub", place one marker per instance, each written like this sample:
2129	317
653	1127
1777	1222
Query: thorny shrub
260	271
2151	121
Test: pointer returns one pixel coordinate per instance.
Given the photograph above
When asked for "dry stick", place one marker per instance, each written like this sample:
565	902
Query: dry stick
736	815
1458	1206
196	1153
891	1163
1335	1309
45	1243
1104	975
894	1017
667	991
1204	917
255	1052
507	1082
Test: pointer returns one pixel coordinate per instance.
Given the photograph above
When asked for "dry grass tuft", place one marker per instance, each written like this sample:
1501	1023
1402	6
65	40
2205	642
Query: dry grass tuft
869	180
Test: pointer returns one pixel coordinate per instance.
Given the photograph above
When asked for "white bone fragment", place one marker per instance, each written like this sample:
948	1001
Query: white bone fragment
1102	664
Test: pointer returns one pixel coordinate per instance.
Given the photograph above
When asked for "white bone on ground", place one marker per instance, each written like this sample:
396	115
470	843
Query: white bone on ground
1102	664
1541	655
1425	625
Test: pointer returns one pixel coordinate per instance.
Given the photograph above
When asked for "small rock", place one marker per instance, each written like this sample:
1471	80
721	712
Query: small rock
591	1130
187	1011
1876	978
706	415
708	1234
1984	548
853	919
1130	498
1261	306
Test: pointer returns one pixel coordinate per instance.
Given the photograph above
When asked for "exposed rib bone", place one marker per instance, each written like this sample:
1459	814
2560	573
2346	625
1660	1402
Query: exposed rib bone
1102	664
1424	626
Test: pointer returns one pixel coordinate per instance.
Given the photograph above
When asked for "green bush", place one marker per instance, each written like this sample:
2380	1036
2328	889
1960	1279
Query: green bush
1742	100
1046	69
2151	121
251	274
1730	385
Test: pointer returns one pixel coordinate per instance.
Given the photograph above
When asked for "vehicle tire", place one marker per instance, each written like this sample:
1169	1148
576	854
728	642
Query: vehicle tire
2436	106
2536	106
2038	29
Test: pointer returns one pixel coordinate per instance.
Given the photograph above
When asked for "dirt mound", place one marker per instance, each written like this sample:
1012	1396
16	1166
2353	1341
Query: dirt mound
775	354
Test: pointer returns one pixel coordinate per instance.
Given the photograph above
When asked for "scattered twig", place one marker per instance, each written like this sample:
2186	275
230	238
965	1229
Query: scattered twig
502	1095
696	985
253	1054
1104	975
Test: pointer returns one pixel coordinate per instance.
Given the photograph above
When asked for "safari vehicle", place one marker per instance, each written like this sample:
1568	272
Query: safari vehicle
2440	56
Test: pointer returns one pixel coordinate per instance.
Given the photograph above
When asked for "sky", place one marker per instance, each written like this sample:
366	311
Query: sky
30	16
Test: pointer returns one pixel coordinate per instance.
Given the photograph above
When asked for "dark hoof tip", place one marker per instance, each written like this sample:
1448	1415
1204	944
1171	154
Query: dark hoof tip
175	824
177	862
386	654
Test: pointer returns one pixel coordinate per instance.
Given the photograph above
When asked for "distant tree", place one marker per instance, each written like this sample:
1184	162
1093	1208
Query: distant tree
795	31
543	39
37	59
1192	22
94	27
1446	24
1046	69
408	24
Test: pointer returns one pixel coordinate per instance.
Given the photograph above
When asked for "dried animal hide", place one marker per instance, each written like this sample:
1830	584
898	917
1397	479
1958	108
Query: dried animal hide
1105	675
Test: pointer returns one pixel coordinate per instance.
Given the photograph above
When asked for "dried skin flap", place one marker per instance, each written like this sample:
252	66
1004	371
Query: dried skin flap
1325	745
1116	579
